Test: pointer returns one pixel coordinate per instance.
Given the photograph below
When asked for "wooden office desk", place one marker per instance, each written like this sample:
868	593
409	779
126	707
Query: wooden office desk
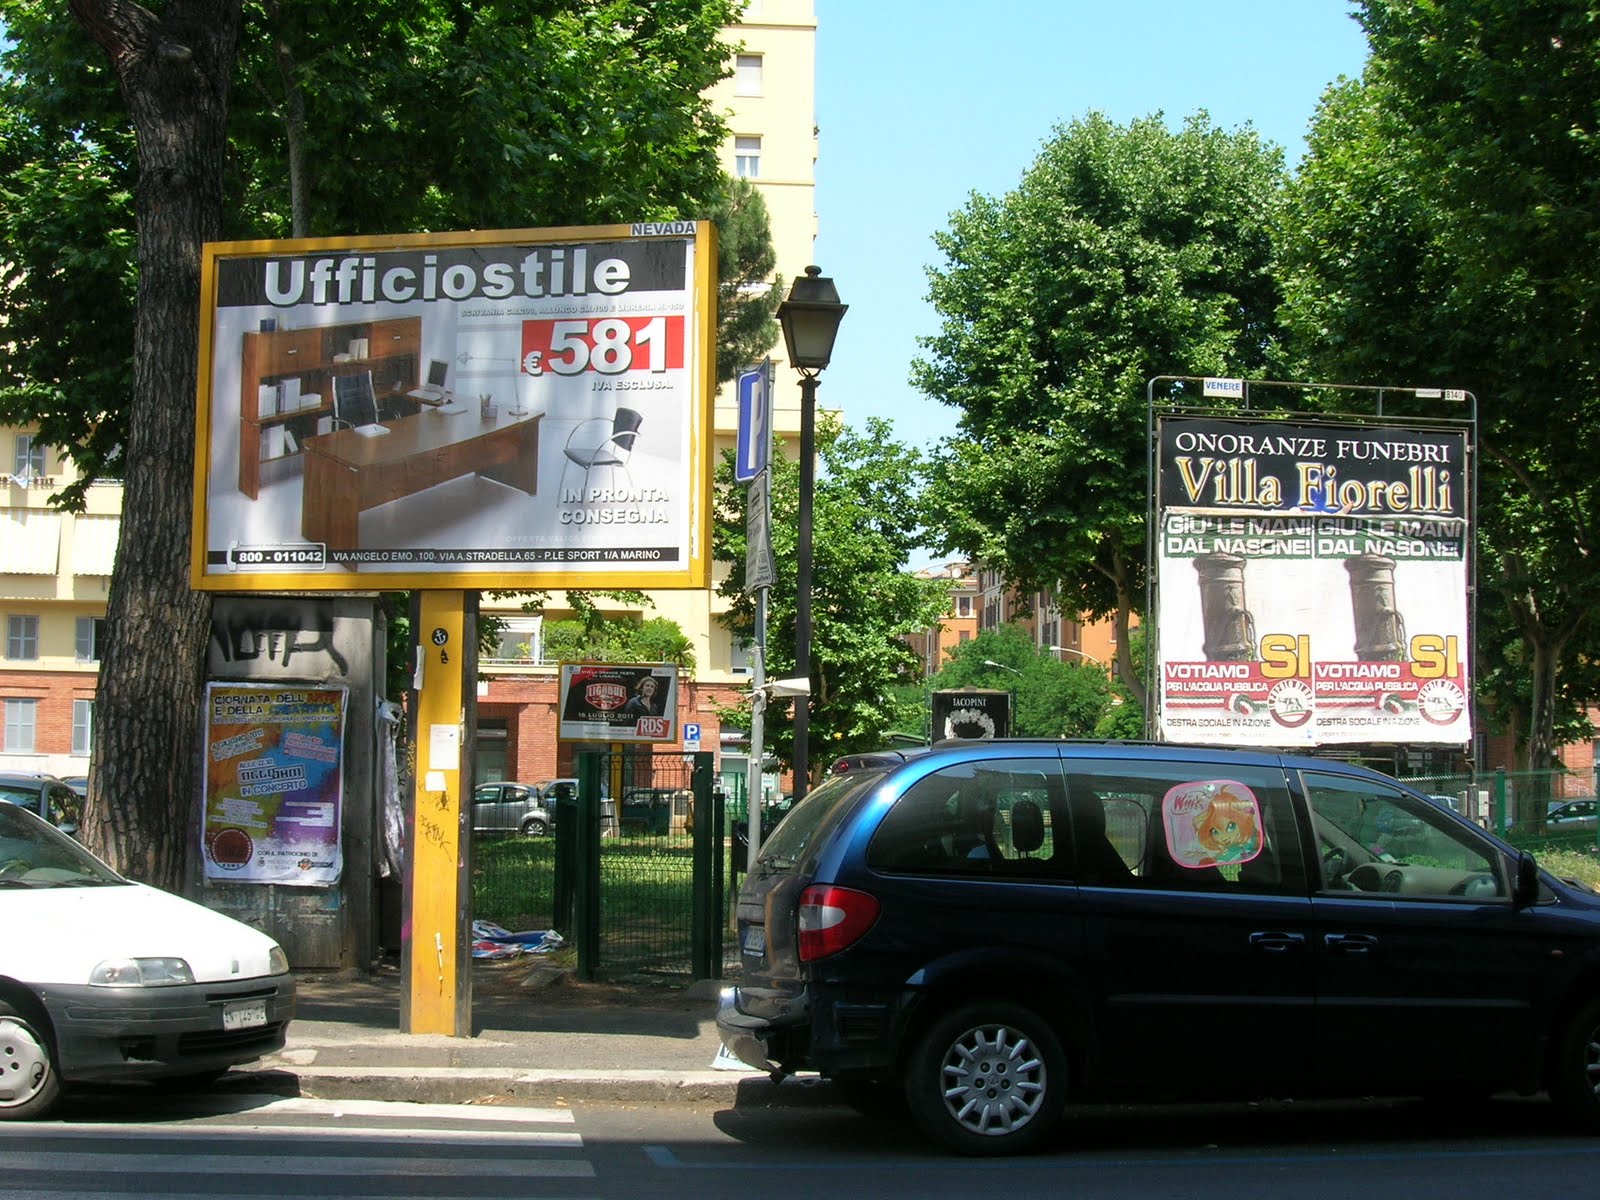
348	473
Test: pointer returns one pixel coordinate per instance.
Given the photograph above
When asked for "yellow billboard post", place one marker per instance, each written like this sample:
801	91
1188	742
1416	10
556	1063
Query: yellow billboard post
436	952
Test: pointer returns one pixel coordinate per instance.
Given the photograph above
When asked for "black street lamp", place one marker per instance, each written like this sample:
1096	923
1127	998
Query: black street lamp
810	318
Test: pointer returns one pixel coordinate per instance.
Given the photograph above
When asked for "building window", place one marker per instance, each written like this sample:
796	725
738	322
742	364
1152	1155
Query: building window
747	75
963	606
29	462
964	635
21	717
747	157
90	637
22	637
82	726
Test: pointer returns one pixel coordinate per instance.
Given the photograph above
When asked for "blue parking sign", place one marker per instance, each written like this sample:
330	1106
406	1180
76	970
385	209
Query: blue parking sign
755	425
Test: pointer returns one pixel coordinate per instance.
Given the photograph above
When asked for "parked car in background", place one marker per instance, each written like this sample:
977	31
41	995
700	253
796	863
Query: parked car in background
1571	815
771	814
107	981
553	791
651	809
991	930
509	807
45	795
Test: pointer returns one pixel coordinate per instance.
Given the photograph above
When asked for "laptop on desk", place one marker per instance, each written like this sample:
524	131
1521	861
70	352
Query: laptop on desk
434	391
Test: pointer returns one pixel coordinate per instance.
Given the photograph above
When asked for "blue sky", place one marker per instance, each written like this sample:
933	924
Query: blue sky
922	102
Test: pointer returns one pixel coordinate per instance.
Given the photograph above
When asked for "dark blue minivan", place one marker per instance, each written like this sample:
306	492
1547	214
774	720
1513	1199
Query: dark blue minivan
995	929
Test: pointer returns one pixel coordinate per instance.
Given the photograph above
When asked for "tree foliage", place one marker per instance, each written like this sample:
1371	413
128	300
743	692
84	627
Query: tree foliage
1445	229
864	603
124	154
375	118
1125	252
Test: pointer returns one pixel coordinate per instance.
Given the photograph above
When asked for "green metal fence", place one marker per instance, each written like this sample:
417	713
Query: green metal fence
1514	803
633	877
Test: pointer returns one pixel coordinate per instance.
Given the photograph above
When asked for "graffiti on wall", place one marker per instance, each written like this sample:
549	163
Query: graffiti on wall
296	634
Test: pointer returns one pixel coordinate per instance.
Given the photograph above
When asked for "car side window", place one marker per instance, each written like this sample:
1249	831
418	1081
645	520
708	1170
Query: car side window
1374	839
991	817
1190	826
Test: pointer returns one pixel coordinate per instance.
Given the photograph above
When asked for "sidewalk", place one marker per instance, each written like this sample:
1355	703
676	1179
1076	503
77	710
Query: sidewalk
540	1036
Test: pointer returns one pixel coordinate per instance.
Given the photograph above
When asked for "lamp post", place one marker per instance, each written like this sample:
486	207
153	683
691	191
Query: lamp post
1079	653
810	318
989	662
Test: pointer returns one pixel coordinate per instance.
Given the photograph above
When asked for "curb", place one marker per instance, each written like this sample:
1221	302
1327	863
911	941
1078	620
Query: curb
454	1085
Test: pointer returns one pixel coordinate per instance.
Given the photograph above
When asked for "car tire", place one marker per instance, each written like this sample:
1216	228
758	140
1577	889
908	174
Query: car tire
987	1078
533	827
1575	1068
30	1083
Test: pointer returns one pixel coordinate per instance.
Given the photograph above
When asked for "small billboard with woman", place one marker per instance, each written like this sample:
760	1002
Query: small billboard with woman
609	702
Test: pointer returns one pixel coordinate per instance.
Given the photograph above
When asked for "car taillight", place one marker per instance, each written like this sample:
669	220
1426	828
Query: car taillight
833	919
840	767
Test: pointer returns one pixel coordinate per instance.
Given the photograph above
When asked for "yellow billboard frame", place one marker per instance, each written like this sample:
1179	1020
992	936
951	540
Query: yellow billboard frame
694	569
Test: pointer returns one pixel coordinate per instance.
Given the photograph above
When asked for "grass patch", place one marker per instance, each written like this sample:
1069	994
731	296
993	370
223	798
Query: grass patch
646	893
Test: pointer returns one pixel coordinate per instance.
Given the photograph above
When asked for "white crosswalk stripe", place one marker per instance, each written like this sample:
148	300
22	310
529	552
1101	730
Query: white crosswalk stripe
258	1146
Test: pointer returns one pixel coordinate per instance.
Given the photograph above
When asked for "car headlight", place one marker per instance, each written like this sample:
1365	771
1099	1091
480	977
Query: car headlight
141	972
277	961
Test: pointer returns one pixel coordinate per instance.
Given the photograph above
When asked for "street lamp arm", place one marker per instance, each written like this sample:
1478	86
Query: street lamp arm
1079	653
989	662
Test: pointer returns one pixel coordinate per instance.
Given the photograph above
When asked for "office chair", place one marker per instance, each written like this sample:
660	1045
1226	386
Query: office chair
589	446
354	401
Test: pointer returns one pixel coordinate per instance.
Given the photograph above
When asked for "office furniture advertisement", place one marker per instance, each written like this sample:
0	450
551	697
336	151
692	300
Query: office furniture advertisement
1312	583
274	783
619	702
515	409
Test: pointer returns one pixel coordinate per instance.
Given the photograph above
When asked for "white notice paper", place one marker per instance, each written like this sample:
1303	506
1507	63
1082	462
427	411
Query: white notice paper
444	747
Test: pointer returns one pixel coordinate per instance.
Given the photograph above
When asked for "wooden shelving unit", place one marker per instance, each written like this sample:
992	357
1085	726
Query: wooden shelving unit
308	355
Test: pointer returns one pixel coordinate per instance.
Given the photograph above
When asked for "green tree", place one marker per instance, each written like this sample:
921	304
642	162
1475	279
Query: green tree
1444	233
748	291
1125	252
1050	698
864	603
404	117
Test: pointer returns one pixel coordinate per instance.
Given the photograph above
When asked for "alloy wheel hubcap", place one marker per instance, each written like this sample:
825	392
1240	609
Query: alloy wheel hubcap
993	1081
24	1063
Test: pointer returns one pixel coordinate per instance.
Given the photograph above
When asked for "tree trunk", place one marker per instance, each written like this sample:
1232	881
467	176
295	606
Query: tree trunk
174	72
1127	671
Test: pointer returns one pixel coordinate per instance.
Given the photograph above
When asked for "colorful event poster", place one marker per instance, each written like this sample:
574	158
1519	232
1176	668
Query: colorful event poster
274	784
619	702
1313	584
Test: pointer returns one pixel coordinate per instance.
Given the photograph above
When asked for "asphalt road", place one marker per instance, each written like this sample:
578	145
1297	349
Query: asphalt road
210	1144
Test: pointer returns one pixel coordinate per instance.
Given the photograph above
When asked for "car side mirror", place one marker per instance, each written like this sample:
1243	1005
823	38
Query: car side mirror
1525	891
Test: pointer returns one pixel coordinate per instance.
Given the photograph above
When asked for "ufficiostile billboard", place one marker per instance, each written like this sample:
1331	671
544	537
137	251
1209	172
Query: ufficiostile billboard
522	408
1312	583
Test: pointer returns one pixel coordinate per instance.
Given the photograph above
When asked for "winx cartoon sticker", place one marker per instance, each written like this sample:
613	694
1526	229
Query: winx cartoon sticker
1211	822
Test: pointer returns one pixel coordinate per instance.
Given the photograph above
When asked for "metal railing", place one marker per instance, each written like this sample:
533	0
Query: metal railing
1514	803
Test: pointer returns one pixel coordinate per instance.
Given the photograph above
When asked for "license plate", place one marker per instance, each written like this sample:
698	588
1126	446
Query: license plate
753	940
244	1016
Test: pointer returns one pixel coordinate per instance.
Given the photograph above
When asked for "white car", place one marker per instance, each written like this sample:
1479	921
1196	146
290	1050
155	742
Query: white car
104	980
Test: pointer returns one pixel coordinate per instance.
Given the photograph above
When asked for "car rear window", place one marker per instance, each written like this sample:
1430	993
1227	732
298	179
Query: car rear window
786	848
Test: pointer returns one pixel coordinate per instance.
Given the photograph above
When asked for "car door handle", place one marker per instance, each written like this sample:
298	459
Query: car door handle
1277	943
1351	943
